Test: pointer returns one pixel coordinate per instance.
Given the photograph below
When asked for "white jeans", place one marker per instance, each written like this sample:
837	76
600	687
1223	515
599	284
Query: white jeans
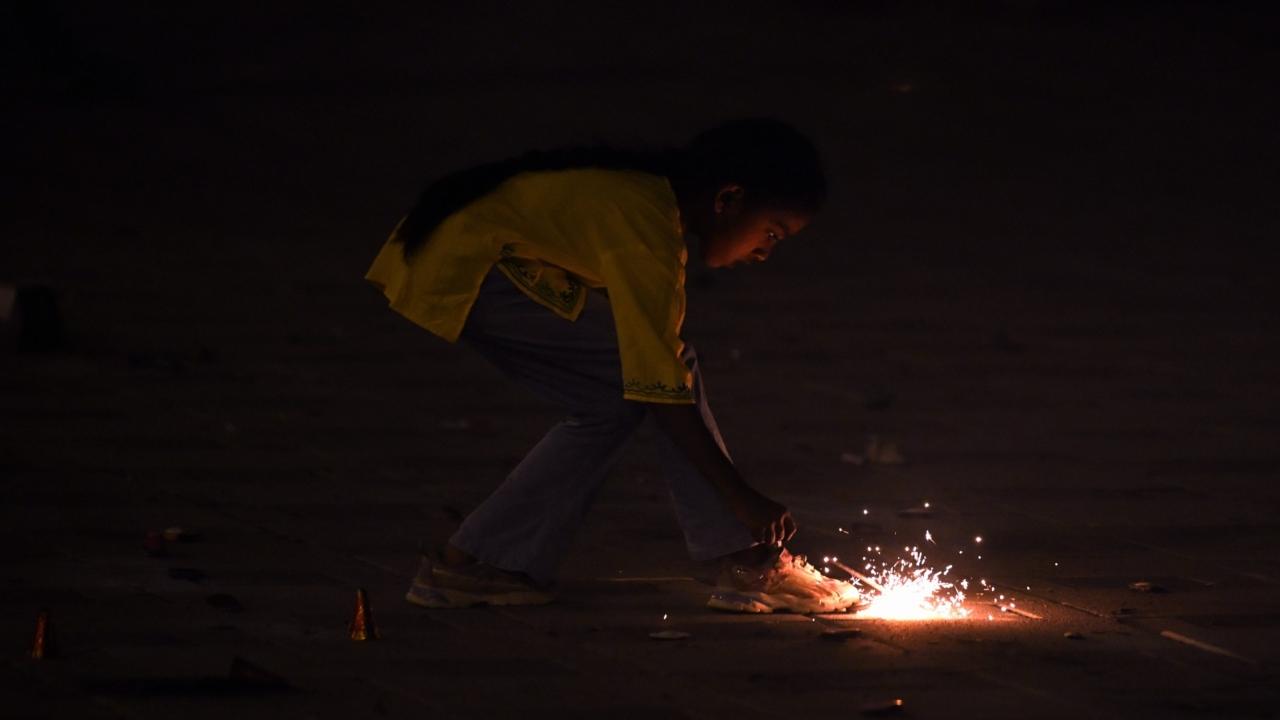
526	525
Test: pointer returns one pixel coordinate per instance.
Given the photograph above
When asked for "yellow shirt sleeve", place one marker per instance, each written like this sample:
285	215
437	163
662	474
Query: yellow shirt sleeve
646	294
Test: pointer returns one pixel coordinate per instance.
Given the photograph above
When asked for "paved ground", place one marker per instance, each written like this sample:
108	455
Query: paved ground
1040	276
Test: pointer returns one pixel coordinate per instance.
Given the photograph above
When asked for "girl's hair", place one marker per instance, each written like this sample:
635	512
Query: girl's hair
773	162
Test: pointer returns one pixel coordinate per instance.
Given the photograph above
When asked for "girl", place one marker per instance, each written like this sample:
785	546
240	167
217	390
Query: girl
566	270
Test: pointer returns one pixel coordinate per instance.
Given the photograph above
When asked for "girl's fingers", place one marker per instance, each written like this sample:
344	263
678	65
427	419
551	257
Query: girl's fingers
788	527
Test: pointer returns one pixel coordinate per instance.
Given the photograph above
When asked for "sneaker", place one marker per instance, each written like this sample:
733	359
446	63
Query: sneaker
783	582
438	585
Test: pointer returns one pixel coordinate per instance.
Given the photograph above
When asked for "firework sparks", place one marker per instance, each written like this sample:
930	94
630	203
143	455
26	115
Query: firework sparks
909	589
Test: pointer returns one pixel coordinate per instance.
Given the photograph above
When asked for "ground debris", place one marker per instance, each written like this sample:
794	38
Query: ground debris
670	635
880	452
1146	587
181	535
877	452
883	707
1072	635
840	634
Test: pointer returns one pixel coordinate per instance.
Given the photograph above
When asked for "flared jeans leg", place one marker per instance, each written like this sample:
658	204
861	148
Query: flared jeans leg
528	523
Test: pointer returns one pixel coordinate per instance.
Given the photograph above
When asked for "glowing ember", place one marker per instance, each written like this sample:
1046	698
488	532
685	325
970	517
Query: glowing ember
910	590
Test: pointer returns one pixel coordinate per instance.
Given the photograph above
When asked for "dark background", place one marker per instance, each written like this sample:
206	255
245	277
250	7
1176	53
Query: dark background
1097	164
1141	132
1046	271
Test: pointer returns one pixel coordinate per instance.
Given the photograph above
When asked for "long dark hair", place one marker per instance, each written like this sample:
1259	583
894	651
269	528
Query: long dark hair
774	163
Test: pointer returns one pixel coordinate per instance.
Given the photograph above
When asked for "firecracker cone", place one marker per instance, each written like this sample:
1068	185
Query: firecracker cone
362	627
42	647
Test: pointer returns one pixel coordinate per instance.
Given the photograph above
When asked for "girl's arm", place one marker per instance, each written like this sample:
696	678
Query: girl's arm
769	521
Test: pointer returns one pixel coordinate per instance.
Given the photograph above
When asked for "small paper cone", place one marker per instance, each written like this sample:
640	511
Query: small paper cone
362	627
43	647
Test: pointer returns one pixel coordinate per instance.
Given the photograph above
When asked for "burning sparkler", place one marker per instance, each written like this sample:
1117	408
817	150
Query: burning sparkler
909	589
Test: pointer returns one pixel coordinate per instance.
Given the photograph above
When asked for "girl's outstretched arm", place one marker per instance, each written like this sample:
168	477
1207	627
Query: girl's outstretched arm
769	521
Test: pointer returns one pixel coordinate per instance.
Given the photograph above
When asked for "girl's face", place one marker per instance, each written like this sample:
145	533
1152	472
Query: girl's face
736	234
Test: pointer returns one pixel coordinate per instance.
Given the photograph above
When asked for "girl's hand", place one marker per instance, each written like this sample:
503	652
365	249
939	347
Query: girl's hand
769	522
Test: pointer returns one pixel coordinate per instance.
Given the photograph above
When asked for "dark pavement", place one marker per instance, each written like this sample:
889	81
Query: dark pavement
1047	274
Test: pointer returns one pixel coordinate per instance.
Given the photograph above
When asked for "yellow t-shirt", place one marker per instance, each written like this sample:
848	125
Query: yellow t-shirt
555	234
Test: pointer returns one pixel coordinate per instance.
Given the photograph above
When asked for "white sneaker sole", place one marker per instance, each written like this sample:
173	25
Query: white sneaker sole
756	602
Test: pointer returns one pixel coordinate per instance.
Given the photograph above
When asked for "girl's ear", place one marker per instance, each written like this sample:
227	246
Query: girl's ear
729	200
